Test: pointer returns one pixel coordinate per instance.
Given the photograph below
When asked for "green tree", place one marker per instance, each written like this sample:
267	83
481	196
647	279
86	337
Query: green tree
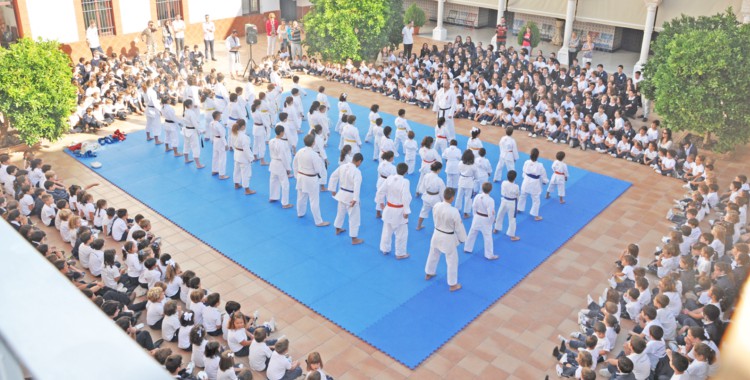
698	78
416	14
395	24
356	29
36	94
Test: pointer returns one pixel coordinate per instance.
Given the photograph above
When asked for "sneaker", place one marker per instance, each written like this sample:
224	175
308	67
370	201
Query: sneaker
530	134
272	324
613	154
190	367
549	138
629	158
605	373
670	214
559	370
665	239
256	314
575	335
556	141
686	186
589	300
562	338
599	150
612	283
583	148
533	135
484	122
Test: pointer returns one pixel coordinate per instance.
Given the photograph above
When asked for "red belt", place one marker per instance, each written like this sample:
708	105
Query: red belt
394	206
559	173
428	162
442	137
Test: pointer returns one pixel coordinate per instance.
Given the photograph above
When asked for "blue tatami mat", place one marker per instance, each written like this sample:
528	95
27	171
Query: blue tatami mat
385	302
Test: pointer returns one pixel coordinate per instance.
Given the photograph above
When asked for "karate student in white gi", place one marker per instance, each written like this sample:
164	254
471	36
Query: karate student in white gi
234	110
484	169
308	168
350	135
319	148
559	177
431	188
344	110
467	174
377	136
221	95
452	157
153	113
441	136
321	97
428	156
385	170
280	169
402	129
386	144
394	197
534	176
484	216
374	115
219	136
509	192
233	46
410	152
449	233
171	128
191	143
508	154
348	178
292	123
445	106
259	132
243	157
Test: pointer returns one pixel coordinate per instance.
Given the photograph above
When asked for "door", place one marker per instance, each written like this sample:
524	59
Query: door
289	10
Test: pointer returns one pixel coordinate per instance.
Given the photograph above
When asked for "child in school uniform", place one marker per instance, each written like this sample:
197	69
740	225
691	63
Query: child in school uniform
155	308
171	322
212	315
187	323
559	177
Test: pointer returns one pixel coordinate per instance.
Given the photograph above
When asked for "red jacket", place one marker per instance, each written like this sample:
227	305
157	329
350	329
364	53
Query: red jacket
271	26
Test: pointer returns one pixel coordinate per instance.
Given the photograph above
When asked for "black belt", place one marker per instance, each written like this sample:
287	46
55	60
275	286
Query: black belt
384	177
309	175
347	190
190	127
258	124
240	149
169	121
480	214
433	193
151	107
218	137
447	233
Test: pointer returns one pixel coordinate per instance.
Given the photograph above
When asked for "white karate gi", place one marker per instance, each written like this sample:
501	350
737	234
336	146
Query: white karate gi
508	156
308	168
280	164
441	139
449	233
153	113
428	156
431	188
466	177
474	145
509	192
452	157
344	109
402	131
372	117
171	129
532	186
350	136
385	170
243	157
292	125
484	170
219	138
234	57
191	143
559	177
484	216
377	136
348	178
387	145
259	134
321	98
410	155
396	196
221	97
445	106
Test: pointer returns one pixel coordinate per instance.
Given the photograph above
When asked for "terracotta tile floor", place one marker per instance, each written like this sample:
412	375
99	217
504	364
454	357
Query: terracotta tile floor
512	339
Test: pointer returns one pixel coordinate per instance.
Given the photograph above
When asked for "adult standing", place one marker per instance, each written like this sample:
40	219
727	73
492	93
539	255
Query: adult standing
178	27
573	45
147	35
167	34
295	39
526	44
282	36
233	47
445	105
92	38
449	233
408	33
308	168
272	26
208	37
502	34
588	49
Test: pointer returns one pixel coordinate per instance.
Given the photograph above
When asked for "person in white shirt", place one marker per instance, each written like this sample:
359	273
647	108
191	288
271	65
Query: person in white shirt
452	157
212	315
171	322
308	167
509	191
679	364
350	135
410	151
402	129
484	216
281	365
394	197
96	258
408	33
179	34
92	38
534	176
347	178
155	308
260	352
233	46
508	154
280	168
48	211
559	177
208	37
449	233
634	350
153	112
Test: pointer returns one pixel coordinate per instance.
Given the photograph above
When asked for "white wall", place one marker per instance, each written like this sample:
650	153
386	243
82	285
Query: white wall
217	9
134	15
270	5
54	20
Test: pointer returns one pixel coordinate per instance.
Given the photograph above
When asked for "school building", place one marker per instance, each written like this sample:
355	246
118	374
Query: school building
121	21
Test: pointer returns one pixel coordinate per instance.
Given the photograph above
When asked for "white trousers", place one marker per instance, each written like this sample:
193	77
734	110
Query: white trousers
234	63
401	231
450	130
428	202
451	258
451	180
464	195
219	161
259	146
172	136
559	186
486	231
535	202
242	173
441	145
314	197
506	207
509	165
192	145
354	218
271	48
279	186
153	125
411	162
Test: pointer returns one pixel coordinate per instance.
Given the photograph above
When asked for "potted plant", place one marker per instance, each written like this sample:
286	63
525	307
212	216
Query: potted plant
416	14
535	36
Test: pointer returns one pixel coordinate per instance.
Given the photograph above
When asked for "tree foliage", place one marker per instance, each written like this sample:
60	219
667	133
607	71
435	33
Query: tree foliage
698	77
36	94
536	37
356	29
394	23
416	14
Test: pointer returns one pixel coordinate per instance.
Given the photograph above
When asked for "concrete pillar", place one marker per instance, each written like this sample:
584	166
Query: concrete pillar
648	30
745	11
439	33
501	7
570	15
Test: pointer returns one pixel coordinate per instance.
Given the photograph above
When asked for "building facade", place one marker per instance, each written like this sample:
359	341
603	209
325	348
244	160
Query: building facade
121	22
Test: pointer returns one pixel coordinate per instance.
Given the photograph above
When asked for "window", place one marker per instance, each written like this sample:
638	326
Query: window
99	11
250	6
168	9
8	23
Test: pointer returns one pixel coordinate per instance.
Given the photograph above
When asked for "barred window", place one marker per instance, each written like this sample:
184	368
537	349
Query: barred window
168	9
99	11
250	7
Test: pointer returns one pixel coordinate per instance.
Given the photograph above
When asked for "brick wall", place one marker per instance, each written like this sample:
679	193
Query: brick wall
124	44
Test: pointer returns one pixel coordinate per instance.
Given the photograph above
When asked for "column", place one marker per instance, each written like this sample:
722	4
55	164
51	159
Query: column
439	33
648	30
745	11
570	15
501	7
